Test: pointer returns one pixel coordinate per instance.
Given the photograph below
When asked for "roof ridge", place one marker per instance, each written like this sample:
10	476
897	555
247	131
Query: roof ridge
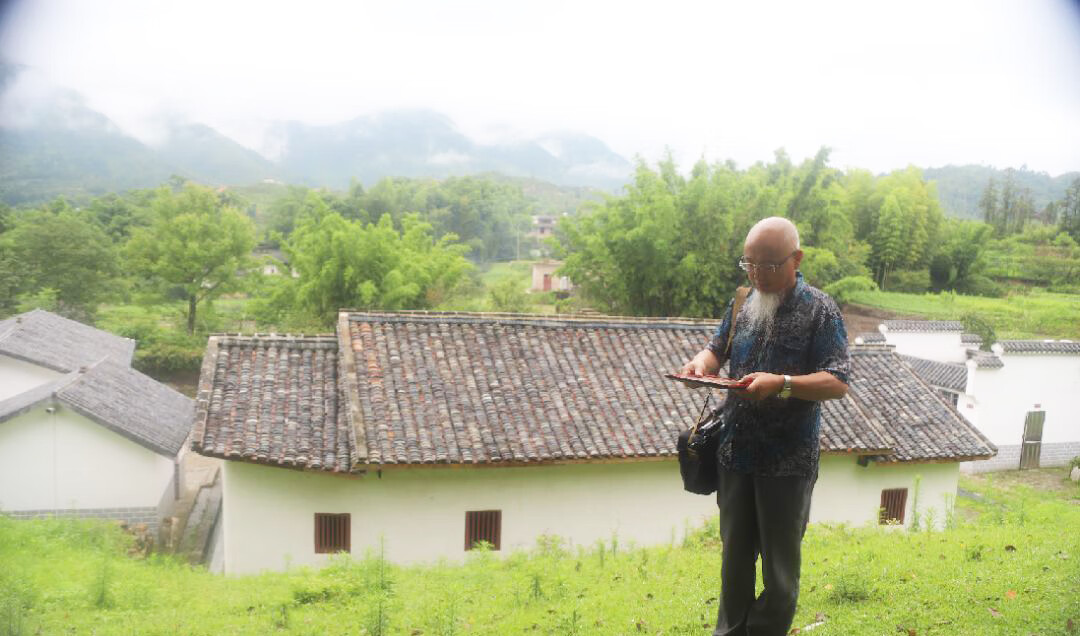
527	319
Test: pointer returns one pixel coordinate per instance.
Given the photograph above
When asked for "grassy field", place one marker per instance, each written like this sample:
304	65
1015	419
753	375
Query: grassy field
1036	314
1008	564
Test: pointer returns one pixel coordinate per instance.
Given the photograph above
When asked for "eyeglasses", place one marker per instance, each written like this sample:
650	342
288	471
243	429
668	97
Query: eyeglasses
766	268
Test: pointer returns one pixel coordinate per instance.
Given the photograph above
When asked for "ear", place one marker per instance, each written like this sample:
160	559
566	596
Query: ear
797	258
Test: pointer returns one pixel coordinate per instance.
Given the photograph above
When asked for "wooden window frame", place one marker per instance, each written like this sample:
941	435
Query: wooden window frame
483	525
333	532
893	506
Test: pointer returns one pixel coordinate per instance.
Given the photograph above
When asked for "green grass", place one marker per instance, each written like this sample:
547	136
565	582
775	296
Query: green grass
1010	564
1035	314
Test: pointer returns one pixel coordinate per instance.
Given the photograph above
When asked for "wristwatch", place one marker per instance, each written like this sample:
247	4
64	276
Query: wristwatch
786	391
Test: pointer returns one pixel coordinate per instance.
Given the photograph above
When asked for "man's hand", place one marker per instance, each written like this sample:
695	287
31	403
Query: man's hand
762	385
704	363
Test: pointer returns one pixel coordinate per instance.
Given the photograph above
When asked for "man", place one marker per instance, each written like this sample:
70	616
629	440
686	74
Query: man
790	341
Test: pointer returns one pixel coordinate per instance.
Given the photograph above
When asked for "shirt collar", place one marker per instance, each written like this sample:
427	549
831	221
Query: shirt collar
796	292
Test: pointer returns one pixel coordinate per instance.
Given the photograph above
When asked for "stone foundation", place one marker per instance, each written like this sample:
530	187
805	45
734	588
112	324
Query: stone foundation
147	515
1008	458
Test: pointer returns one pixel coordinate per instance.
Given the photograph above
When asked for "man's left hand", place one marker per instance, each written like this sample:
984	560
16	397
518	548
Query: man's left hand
762	385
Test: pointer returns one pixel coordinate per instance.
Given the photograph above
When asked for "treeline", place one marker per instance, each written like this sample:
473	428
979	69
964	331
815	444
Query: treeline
671	244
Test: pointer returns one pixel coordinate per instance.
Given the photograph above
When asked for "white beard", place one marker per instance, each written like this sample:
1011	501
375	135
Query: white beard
761	309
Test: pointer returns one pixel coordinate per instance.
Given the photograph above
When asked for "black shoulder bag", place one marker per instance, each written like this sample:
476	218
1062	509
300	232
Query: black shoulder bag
697	445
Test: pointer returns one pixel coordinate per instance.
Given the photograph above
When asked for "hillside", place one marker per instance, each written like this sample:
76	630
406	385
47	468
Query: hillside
960	187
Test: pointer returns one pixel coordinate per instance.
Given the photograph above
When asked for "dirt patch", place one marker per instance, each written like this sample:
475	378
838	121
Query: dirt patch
1047	479
859	319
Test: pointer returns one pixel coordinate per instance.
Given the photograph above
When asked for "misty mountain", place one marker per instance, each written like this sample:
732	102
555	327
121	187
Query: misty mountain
419	143
52	143
960	187
203	154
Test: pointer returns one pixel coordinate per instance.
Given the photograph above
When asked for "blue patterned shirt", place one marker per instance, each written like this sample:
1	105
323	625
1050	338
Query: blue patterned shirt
777	437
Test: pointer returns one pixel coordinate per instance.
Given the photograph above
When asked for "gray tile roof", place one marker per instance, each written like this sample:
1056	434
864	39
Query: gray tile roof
947	375
416	388
59	343
119	398
985	359
273	400
923	425
1040	346
924	325
871	337
971	338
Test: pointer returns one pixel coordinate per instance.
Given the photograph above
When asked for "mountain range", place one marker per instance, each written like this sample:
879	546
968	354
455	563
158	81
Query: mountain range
55	144
52	143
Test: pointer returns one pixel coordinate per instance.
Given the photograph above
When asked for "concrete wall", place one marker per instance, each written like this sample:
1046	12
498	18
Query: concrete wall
999	399
17	376
1008	457
849	493
940	346
420	512
268	518
64	461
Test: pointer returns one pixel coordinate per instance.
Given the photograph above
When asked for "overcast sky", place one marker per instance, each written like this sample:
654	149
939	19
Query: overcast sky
883	84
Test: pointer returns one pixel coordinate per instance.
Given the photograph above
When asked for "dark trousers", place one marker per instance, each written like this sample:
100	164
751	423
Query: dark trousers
760	516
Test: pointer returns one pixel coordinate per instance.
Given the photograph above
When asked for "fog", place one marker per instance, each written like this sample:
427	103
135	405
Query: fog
884	85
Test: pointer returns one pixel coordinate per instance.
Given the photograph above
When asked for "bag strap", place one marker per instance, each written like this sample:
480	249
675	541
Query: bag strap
740	297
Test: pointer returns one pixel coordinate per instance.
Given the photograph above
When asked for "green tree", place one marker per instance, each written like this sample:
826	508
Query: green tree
345	264
63	250
194	244
888	242
1069	210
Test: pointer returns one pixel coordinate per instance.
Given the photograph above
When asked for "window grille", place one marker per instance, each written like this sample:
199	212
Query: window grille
483	525
893	501
332	533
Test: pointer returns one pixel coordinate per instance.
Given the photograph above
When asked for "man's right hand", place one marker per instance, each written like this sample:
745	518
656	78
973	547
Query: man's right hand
704	363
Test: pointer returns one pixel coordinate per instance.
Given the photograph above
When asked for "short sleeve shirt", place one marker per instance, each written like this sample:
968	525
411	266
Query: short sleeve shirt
780	437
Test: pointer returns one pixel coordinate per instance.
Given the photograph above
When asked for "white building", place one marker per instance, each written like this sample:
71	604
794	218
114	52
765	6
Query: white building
81	432
545	279
1023	398
428	432
1019	395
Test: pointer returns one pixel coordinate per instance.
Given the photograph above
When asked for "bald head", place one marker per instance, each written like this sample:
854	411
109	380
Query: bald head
773	241
775	232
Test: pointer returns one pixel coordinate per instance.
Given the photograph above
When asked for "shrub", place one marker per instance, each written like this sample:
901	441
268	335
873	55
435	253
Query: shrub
843	289
979	285
910	281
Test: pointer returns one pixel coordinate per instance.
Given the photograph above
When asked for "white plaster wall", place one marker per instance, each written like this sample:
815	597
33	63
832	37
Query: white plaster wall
17	376
943	347
64	460
268	513
1002	397
849	493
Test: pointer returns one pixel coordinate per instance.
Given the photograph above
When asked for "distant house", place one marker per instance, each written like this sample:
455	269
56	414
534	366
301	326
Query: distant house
543	226
1023	397
544	277
429	432
81	432
940	340
1019	395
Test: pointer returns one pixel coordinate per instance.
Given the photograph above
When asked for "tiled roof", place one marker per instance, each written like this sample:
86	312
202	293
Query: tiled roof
970	338
414	388
924	325
924	427
274	400
871	337
947	375
59	343
1040	346
985	359
120	399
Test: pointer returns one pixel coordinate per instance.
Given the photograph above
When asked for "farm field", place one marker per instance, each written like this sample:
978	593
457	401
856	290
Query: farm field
1036	314
1009	563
